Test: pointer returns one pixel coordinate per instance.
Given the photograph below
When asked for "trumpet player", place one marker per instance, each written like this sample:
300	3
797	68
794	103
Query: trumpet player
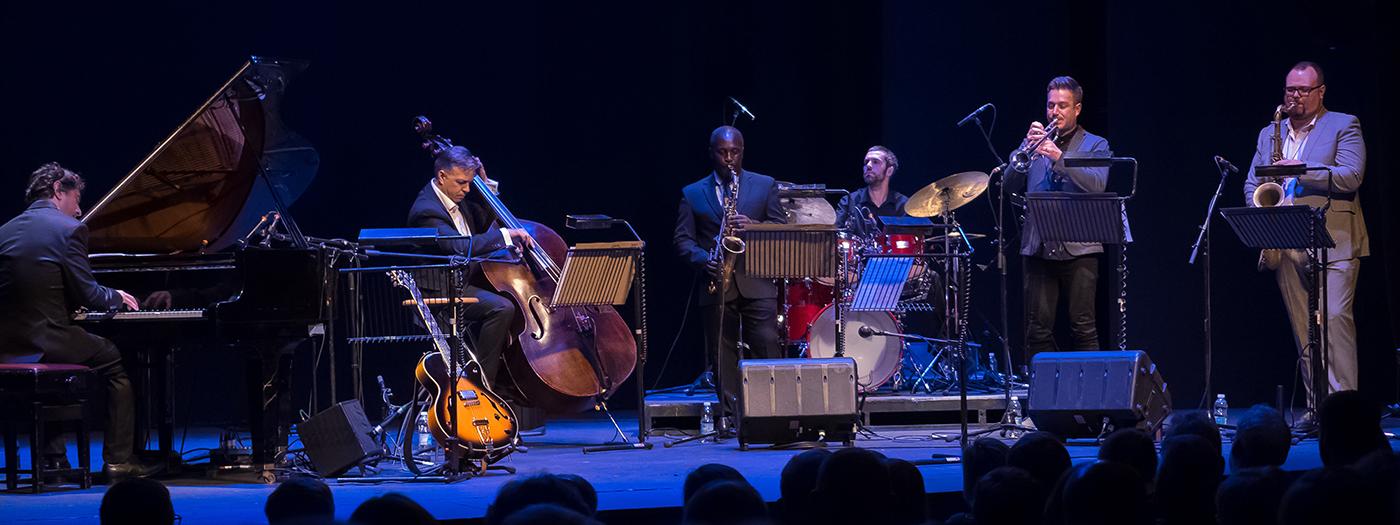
721	205
1056	270
1307	133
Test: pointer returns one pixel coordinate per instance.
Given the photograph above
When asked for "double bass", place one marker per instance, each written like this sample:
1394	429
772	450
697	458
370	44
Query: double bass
569	358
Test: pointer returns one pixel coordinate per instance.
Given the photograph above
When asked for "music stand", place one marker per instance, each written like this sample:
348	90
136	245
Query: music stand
1085	217
603	274
796	251
1298	227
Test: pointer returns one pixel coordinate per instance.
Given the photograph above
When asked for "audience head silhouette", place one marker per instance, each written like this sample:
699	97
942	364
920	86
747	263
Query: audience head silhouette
1262	439
981	457
1104	493
300	500
798	479
1349	426
725	502
1134	448
137	501
1008	496
853	486
391	509
1327	495
540	488
907	488
1251	496
548	514
1187	480
706	474
1042	455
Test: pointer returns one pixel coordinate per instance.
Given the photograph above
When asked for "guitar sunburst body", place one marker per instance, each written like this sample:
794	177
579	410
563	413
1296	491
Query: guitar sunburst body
485	424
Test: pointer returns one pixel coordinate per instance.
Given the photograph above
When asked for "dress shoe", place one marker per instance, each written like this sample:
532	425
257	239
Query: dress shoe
56	463
1305	424
119	471
57	470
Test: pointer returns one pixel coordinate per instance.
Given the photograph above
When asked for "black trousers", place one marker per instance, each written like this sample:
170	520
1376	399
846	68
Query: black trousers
1045	282
752	321
491	317
118	440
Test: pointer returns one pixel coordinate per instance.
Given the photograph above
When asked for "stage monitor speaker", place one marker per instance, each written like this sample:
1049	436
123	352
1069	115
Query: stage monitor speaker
338	438
790	400
1089	394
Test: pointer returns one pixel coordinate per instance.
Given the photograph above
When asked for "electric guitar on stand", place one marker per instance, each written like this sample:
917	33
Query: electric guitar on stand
485	426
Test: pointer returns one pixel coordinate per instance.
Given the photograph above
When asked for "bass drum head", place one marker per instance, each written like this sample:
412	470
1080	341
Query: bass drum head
877	357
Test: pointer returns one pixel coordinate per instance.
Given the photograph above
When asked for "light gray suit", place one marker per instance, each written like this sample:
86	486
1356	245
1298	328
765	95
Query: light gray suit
1335	143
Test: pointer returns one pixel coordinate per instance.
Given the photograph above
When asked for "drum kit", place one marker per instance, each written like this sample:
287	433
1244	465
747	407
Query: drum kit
936	282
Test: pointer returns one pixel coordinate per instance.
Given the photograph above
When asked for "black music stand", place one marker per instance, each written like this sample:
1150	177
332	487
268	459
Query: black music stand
604	275
1298	227
1085	217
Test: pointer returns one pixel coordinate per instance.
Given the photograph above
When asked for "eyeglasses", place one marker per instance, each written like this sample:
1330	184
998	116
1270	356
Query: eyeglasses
1301	91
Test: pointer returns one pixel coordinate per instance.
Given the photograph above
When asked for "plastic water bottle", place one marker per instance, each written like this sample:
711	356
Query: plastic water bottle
423	439
1220	410
1013	411
707	419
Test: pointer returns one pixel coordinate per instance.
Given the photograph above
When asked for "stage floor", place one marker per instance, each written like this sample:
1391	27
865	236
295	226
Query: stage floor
628	482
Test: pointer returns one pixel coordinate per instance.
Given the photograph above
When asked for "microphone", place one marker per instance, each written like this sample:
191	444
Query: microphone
866	331
1223	164
971	116
743	109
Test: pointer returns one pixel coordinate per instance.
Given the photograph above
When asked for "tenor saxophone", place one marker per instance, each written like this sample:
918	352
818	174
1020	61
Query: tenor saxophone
1270	193
728	245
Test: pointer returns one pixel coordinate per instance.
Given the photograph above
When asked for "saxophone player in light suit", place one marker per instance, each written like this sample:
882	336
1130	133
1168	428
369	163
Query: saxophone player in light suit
1309	134
747	307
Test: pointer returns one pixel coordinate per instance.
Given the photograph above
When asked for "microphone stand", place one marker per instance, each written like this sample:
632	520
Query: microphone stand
1008	423
1202	248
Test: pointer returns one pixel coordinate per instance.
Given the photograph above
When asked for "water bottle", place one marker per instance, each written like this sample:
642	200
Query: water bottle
707	419
423	440
1220	410
1013	411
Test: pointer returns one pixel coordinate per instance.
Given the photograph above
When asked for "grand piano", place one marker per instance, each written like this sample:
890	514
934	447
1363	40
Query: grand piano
203	218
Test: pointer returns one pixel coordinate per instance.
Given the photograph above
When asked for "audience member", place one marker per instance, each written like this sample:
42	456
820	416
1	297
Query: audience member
798	479
1008	496
1104	493
585	489
300	500
907	487
724	503
1042	455
1251	496
706	474
391	509
1327	495
1134	448
1187	480
137	501
1261	439
1381	472
982	456
548	514
1349	426
540	488
853	486
1198	423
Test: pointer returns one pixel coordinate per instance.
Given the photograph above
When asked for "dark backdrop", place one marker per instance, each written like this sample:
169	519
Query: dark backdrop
585	109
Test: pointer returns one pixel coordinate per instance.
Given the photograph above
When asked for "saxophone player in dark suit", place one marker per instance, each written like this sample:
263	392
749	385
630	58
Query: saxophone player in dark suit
1311	135
749	305
44	278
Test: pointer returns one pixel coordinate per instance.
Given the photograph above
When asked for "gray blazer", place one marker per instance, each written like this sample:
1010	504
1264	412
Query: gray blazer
1335	143
698	222
44	277
1046	176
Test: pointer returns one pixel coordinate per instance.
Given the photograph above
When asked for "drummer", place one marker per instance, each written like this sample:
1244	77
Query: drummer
857	211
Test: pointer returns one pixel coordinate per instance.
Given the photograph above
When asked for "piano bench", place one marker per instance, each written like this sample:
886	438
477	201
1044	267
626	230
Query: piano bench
35	395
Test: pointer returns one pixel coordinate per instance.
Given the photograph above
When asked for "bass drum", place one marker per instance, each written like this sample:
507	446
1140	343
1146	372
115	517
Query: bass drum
877	357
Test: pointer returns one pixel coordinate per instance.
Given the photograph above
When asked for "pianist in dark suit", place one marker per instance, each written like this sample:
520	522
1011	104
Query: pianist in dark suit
44	278
443	205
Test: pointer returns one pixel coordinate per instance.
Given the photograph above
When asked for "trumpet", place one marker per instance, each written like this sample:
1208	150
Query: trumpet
1270	193
1022	158
728	245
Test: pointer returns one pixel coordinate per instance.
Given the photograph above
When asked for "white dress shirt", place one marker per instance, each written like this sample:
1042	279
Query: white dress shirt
454	210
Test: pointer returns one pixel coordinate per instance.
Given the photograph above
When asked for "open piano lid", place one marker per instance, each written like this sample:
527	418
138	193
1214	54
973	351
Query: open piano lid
202	189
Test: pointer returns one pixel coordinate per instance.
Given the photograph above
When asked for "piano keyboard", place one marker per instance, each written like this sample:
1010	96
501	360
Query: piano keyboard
142	315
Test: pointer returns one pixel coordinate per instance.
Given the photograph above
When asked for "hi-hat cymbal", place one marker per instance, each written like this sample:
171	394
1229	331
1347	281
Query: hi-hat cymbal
809	210
946	194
